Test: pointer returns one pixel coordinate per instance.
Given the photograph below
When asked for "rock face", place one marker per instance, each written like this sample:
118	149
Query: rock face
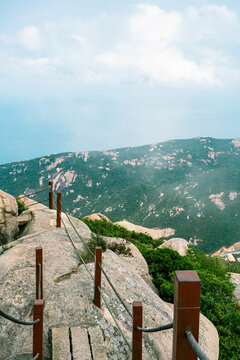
223	250
177	244
68	293
8	217
154	233
235	278
97	216
230	258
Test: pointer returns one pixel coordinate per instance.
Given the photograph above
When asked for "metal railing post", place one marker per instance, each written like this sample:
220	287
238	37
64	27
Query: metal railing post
186	313
98	275
38	329
58	209
39	273
136	334
50	194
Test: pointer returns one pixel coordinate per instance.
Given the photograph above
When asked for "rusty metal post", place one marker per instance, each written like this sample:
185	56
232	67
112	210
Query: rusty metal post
58	209
136	334
39	260
50	194
38	329
186	313
98	275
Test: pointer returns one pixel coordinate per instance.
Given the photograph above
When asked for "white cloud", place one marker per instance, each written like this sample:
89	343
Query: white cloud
194	47
29	37
151	51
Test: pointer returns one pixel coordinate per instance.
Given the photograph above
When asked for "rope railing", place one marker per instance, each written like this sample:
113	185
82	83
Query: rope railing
195	346
115	291
34	193
115	320
37	322
17	321
156	329
38	202
186	282
99	289
184	326
92	254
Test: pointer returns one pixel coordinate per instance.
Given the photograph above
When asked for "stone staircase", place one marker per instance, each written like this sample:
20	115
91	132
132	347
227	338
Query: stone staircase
76	343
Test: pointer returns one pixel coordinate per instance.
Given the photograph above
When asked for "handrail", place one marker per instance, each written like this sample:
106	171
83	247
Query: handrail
36	192
38	202
181	277
115	320
195	346
158	328
17	321
92	277
115	291
79	236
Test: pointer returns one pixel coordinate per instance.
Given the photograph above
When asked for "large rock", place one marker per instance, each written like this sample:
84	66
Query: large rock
68	293
154	233
235	278
8	217
223	250
177	244
230	258
97	216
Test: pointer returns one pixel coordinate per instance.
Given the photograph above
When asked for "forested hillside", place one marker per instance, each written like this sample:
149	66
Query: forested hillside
189	185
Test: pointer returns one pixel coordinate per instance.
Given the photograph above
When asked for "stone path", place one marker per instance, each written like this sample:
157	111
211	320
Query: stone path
76	343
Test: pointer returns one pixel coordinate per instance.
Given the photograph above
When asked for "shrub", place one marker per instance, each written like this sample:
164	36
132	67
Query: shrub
21	207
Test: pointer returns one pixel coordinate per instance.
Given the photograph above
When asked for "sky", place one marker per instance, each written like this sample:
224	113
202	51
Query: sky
91	75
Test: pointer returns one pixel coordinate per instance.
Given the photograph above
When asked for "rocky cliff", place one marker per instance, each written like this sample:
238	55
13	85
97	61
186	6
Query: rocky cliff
68	293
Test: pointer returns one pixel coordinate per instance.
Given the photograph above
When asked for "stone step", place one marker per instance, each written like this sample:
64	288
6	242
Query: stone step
78	343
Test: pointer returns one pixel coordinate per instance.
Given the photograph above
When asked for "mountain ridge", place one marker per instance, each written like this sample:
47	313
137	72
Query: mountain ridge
190	185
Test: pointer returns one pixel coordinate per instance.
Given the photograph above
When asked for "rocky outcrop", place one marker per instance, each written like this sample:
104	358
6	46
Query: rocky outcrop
223	250
8	217
68	292
235	278
154	233
177	244
230	258
97	216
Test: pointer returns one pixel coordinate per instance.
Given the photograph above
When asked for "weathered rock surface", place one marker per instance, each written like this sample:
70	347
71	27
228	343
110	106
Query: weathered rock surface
68	293
177	244
235	278
223	250
154	233
135	260
230	258
97	216
8	217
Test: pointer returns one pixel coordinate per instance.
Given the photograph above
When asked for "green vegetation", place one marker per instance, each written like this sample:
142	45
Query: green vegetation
105	228
171	184
217	302
21	207
120	248
91	244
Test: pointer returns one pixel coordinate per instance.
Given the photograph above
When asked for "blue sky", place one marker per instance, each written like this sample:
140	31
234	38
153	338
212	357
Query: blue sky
89	75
